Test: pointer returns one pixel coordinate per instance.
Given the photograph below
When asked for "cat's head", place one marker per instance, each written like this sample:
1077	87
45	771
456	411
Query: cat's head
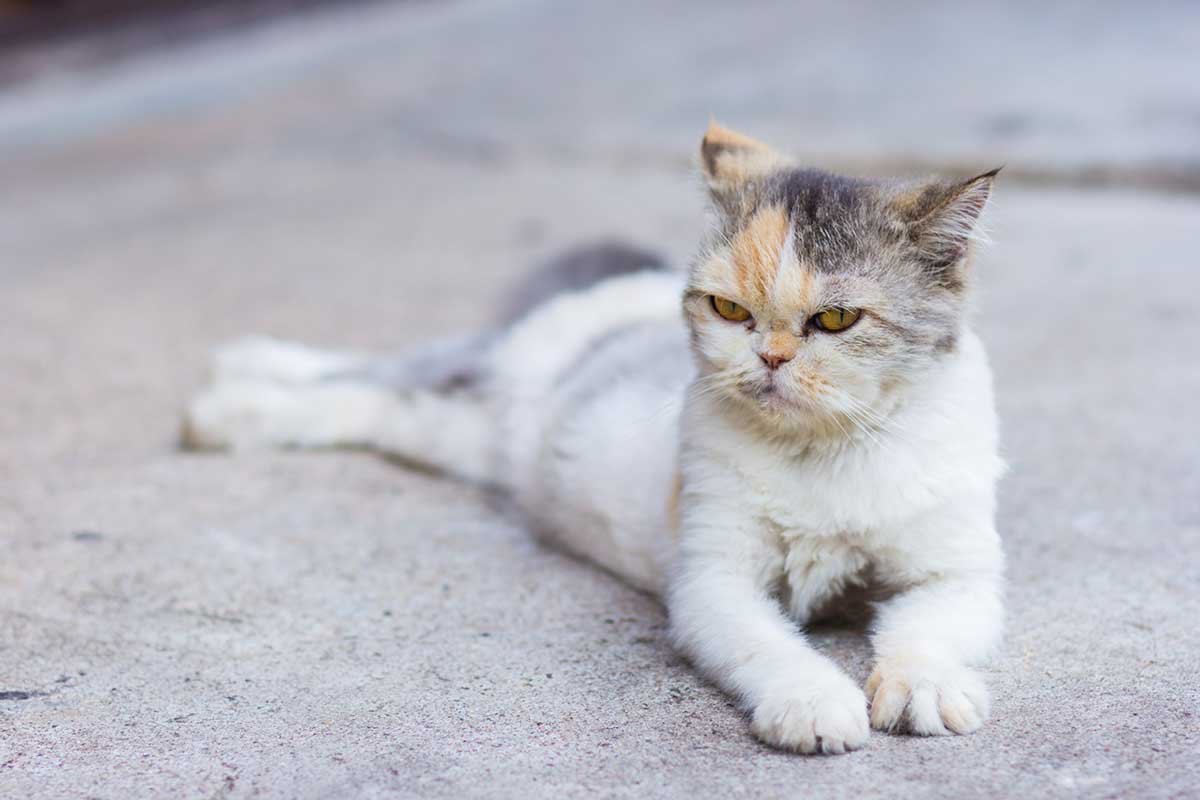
817	296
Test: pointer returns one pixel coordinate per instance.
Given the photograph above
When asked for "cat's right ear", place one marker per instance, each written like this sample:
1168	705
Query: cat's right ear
942	218
729	160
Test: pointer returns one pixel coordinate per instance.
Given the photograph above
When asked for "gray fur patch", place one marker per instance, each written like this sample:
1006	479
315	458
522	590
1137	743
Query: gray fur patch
445	365
459	363
573	270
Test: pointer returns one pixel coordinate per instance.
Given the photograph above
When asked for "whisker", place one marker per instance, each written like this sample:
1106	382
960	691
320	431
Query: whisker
867	420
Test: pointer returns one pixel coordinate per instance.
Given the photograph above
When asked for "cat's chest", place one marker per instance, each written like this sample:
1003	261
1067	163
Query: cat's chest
821	574
845	502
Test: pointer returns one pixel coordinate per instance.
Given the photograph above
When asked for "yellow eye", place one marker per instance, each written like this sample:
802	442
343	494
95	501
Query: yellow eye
837	319
729	309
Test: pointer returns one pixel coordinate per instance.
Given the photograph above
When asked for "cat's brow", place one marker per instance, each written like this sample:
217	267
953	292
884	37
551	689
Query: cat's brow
793	286
757	251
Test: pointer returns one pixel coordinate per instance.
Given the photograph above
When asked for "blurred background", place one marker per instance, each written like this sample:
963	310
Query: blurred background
372	174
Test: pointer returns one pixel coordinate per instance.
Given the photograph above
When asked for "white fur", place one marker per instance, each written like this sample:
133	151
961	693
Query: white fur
264	358
917	506
772	528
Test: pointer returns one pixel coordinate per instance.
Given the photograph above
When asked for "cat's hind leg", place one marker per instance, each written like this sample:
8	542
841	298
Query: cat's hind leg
429	406
242	413
453	361
450	432
265	358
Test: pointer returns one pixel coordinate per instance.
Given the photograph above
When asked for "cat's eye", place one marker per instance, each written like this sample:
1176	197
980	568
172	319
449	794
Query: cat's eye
729	309
836	319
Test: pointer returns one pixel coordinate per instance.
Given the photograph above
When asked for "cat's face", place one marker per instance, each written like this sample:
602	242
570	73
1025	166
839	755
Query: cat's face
818	296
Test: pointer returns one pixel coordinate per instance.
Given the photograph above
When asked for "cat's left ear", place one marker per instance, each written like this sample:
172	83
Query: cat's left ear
942	217
730	159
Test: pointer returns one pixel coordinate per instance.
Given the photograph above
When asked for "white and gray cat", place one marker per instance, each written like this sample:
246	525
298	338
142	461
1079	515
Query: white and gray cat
820	420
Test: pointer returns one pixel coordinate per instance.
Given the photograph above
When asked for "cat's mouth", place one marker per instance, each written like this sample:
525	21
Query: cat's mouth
769	395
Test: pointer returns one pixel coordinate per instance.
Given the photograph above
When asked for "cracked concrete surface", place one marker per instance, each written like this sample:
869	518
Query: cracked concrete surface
327	625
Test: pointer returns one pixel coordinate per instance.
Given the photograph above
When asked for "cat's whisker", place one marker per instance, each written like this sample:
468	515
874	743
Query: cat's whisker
702	387
871	424
846	433
865	411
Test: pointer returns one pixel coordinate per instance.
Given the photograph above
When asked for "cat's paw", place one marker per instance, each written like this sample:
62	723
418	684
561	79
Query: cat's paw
267	359
240	415
253	414
829	716
926	697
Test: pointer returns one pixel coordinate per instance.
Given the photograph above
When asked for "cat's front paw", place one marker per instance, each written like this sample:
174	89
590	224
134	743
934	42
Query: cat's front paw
926	697
824	717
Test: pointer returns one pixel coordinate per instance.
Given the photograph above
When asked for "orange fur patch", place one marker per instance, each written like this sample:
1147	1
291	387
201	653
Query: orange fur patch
756	250
717	136
781	343
729	157
673	504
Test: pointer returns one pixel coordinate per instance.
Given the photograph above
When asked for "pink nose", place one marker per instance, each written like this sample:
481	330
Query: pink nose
773	360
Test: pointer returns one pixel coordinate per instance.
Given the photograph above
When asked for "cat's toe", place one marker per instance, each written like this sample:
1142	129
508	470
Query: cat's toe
926	698
814	719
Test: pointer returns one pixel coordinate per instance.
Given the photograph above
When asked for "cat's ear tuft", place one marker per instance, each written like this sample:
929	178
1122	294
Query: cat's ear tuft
943	217
730	159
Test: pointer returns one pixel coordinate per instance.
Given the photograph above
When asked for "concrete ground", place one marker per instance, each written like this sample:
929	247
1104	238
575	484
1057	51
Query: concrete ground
329	625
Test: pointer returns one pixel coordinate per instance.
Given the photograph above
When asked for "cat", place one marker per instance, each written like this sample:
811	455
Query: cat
820	421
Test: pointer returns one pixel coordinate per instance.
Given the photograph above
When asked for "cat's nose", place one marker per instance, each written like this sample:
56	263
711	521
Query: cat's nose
777	347
773	360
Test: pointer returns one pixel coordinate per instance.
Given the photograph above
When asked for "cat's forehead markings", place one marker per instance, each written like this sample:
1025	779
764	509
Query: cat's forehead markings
793	286
757	249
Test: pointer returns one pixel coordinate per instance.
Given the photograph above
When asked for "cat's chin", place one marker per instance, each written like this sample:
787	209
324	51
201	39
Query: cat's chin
782	413
779	406
778	403
772	400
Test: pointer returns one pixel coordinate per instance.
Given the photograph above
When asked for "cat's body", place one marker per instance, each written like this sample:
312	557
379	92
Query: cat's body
751	466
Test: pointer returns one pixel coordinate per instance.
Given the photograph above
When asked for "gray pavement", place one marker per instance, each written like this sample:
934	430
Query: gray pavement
329	625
